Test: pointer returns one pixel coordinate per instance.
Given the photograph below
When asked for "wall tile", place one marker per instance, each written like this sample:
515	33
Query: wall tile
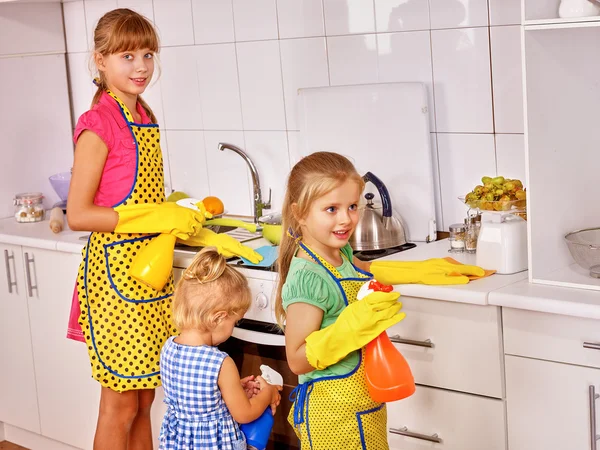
463	160
219	89
74	20
228	174
304	64
407	57
269	152
510	156
507	79
174	22
187	162
80	84
458	13
461	67
213	21
349	17
261	86
94	10
505	12
255	20
180	90
164	147
153	96
401	15
300	18
352	59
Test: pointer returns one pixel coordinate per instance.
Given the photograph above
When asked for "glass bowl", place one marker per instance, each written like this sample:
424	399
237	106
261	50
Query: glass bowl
584	246
60	183
511	206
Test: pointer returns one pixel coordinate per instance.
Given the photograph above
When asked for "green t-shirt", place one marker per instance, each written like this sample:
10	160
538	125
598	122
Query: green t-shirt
309	282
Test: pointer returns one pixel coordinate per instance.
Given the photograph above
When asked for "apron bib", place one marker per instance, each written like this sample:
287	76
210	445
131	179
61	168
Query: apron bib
125	323
336	412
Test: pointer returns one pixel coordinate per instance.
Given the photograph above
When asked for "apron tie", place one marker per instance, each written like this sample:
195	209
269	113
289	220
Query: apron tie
300	397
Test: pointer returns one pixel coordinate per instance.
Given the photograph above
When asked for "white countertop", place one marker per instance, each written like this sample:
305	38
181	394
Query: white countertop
551	299
39	235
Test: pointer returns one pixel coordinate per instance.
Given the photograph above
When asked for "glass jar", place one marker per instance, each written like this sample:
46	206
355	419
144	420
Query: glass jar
29	207
473	224
457	238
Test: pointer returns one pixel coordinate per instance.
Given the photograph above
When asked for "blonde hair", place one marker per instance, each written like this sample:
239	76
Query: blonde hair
208	286
123	30
312	177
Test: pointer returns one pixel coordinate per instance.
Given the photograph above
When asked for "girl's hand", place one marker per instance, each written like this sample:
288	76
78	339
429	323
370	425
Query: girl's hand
275	395
250	385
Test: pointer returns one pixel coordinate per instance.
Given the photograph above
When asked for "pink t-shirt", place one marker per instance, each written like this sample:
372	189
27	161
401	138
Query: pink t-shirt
108	122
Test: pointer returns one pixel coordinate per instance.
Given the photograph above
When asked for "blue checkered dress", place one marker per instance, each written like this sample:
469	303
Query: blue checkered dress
197	417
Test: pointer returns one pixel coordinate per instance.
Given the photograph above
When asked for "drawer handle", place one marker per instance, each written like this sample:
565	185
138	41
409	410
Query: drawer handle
592	345
9	280
426	343
30	286
424	437
592	398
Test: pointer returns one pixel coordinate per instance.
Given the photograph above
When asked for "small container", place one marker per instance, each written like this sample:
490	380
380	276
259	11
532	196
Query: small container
29	207
457	237
473	224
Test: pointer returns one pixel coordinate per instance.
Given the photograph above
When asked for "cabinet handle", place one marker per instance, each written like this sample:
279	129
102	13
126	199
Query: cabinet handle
30	286
592	398
591	345
9	280
398	340
424	437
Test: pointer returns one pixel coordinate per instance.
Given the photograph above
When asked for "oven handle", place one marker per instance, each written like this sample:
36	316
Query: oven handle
256	337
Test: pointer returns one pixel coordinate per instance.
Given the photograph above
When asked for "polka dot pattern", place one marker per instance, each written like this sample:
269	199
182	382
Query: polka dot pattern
339	409
125	323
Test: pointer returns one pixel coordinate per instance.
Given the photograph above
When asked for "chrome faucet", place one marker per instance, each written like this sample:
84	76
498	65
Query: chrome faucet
259	205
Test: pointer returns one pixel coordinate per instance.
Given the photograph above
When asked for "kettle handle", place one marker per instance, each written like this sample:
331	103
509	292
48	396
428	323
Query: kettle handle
383	193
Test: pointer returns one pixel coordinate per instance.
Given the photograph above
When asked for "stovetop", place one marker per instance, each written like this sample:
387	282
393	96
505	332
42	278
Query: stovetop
365	255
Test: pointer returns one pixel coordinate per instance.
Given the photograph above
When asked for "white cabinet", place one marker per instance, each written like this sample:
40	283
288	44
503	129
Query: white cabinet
454	420
18	394
68	397
549	405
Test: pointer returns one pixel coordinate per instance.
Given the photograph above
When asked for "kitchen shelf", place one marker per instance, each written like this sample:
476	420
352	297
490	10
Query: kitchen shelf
572	276
561	23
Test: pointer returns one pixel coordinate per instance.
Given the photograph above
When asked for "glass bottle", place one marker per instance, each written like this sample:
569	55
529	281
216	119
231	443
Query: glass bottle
473	224
457	238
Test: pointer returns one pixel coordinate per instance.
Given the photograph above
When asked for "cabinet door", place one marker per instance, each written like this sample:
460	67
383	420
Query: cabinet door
437	418
548	405
68	396
18	396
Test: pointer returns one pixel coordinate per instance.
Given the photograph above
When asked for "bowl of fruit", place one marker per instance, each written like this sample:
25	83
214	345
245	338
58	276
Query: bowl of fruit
497	194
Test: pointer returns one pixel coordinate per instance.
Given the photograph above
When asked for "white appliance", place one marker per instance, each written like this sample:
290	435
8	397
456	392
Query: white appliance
502	243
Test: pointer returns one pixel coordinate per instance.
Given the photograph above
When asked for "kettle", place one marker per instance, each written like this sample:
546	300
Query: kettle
378	227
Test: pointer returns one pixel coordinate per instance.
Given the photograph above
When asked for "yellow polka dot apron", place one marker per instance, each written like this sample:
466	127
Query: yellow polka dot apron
125	323
336	412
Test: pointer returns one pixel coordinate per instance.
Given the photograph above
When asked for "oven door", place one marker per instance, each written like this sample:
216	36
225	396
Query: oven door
256	332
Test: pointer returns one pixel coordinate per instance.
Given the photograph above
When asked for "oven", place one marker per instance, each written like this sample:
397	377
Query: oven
258	340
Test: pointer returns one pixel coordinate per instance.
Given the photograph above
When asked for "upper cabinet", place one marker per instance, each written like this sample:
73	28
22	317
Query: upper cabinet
35	122
562	103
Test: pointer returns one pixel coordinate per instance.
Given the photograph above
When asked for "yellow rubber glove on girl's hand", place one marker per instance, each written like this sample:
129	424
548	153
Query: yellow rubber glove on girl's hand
356	326
159	218
436	271
225	244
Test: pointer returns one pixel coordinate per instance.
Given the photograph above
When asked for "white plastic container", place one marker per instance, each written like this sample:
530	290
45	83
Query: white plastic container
502	243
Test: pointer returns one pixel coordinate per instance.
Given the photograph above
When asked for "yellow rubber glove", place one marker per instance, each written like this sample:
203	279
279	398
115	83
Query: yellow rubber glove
225	244
164	217
355	327
436	271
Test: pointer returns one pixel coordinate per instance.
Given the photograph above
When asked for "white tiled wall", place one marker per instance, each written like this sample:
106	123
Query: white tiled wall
231	70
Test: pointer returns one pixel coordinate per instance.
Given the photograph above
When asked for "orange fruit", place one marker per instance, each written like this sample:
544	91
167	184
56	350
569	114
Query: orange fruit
213	205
